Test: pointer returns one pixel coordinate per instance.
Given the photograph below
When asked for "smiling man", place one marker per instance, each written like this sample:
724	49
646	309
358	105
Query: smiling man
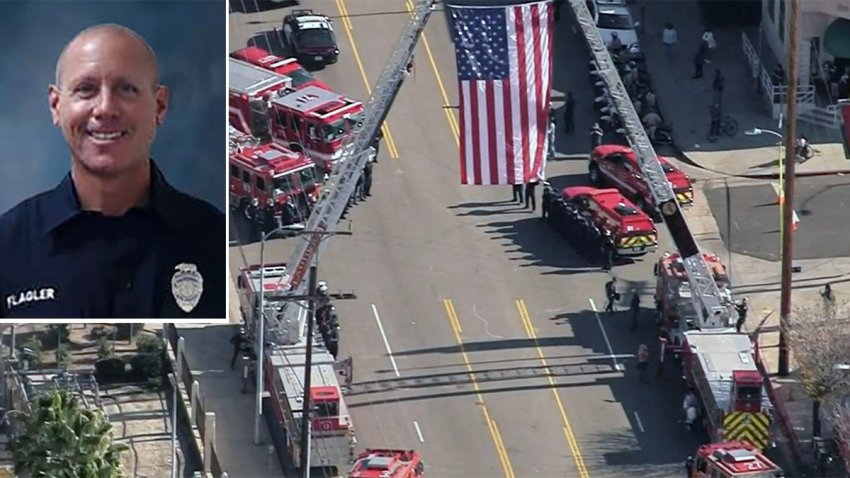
113	239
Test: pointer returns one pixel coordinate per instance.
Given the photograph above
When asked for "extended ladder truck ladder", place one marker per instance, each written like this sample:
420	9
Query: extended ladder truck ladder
712	310
356	151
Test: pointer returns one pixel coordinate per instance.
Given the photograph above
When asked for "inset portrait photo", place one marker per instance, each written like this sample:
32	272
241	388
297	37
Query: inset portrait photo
112	165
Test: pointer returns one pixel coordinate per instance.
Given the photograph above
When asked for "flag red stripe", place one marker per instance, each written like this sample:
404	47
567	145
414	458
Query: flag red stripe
476	140
463	138
492	126
537	157
523	92
509	133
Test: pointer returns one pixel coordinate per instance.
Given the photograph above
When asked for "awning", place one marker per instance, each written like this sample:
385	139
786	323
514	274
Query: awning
836	39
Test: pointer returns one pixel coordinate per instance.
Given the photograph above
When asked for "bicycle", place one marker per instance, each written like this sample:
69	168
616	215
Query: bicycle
728	126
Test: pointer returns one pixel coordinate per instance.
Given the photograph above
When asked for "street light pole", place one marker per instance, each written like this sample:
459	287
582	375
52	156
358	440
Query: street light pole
172	377
308	373
788	211
781	193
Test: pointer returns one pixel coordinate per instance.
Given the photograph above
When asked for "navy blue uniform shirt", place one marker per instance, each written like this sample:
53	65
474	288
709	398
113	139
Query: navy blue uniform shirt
162	260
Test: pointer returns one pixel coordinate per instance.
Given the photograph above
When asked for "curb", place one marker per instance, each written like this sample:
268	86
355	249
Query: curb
681	156
781	414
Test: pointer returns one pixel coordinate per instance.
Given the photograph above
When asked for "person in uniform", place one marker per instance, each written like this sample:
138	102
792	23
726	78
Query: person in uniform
547	199
114	239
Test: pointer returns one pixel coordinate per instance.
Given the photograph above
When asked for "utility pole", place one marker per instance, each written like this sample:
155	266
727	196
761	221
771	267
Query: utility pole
790	161
308	372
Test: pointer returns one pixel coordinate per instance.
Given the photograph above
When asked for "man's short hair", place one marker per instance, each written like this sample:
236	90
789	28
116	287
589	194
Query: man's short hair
114	27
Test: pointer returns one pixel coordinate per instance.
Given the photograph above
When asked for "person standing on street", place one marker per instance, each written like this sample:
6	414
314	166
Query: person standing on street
635	308
517	189
827	295
643	362
367	179
714	129
530	195
548	199
596	134
669	38
569	114
238	341
611	294
710	43
742	313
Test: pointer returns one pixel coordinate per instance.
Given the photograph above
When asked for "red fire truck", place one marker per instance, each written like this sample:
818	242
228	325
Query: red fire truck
617	164
673	296
271	176
720	369
633	232
331	430
314	120
388	464
290	67
731	460
251	88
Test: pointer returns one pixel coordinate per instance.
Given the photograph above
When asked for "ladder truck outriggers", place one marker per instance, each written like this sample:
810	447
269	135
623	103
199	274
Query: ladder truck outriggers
715	311
282	324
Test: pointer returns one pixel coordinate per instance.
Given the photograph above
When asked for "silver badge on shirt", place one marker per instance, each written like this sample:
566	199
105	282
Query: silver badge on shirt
187	285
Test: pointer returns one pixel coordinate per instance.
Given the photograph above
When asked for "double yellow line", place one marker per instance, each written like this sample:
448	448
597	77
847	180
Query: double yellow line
450	117
568	429
491	424
346	23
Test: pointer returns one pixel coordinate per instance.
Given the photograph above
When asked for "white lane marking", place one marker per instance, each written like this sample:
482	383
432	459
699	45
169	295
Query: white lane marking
640	425
386	342
418	431
617	365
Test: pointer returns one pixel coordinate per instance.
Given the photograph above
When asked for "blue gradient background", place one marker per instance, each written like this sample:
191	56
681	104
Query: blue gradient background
189	40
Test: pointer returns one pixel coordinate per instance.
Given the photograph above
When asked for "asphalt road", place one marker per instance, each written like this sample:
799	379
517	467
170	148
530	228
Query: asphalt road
499	365
752	226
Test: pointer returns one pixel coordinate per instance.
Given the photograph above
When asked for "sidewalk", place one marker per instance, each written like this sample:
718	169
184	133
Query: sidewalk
208	352
741	155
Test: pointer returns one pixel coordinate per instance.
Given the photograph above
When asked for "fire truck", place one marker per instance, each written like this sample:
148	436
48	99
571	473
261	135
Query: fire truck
633	232
251	87
314	120
290	67
673	301
271	176
720	369
730	460
374	463
331	430
617	164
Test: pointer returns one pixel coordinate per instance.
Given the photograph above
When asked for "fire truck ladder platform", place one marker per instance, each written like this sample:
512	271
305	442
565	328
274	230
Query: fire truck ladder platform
712	310
356	152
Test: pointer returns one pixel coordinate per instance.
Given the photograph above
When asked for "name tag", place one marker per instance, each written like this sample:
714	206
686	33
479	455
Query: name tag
31	295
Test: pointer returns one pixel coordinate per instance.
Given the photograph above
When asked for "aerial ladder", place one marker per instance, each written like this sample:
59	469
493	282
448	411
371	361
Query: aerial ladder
713	310
287	327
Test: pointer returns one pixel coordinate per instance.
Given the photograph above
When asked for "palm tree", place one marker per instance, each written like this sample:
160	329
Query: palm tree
62	439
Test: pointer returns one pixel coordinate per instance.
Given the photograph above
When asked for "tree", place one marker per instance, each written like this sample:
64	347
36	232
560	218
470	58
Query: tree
840	420
62	439
818	338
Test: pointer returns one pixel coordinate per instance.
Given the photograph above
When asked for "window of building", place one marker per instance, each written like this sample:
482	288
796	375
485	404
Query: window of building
781	25
771	10
234	171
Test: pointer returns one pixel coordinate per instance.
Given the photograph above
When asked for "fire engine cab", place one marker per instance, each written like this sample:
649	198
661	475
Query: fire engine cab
290	67
720	369
617	164
271	176
315	121
632	230
251	87
673	296
730	460
387	464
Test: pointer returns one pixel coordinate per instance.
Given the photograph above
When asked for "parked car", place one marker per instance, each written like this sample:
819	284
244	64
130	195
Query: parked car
310	37
617	19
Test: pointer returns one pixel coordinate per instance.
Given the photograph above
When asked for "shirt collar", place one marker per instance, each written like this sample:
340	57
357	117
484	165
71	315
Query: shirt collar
64	204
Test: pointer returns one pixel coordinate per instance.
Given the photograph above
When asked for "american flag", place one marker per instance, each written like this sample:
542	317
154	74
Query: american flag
504	64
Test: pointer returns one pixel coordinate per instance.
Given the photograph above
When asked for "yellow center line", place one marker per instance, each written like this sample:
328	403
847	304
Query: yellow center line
453	125
568	429
345	18
491	424
340	4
